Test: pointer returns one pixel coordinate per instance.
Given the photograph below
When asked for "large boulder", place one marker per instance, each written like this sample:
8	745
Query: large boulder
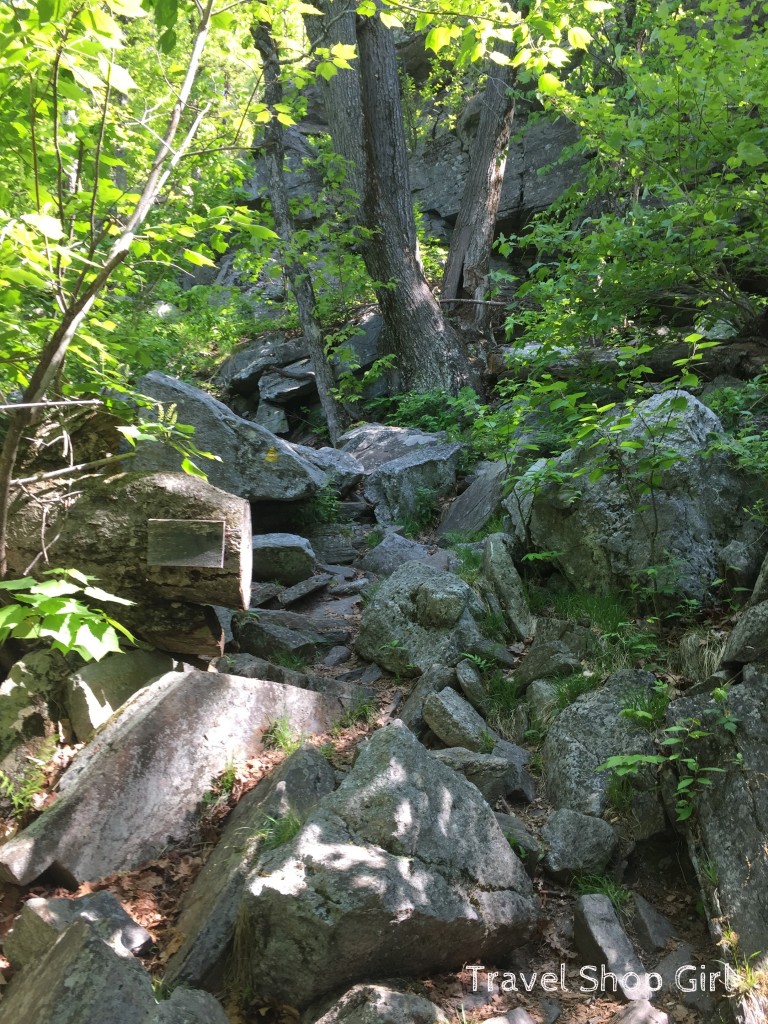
374	444
139	783
402	871
419	617
284	557
83	980
210	908
254	464
406	488
478	504
650	501
586	734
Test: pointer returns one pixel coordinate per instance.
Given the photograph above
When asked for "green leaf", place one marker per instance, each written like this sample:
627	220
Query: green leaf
597	6
549	83
49	227
120	78
390	20
438	38
750	154
189	467
579	38
197	259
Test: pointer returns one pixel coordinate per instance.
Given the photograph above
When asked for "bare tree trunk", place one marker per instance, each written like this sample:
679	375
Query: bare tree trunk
365	116
466	268
300	281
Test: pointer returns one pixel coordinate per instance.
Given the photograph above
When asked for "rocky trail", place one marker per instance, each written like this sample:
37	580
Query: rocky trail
387	799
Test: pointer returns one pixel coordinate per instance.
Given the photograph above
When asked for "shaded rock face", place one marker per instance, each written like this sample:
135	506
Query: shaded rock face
419	617
138	784
398	489
283	557
730	820
667	507
600	939
588	732
254	464
400	872
380	1004
374	444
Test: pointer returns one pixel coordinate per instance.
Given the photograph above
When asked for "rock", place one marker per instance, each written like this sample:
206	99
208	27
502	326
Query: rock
138	784
254	464
210	908
282	557
640	1012
727	831
579	640
434	679
263	593
586	734
516	1016
406	488
577	843
456	722
343	471
680	970
541	697
267	639
338	655
652	929
474	508
24	697
471	683
361	350
519	758
82	980
393	550
550	659
373	444
502	577
42	921
495	777
399	872
304	589
602	941
749	640
527	848
339	543
271	418
280	389
760	591
380	1004
419	617
97	690
605	540
241	371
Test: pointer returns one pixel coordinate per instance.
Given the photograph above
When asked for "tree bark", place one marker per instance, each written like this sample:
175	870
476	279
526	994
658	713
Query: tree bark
365	117
298	277
466	269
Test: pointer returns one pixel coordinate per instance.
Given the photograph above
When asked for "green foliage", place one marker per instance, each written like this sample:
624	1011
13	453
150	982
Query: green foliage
488	742
363	712
429	410
424	512
277	832
586	885
281	736
323	507
648	708
289	659
470	563
51	610
21	791
570	688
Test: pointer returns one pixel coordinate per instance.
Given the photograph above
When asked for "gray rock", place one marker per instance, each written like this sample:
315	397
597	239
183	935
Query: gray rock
578	639
138	784
728	828
282	390
339	543
400	872
419	617
254	464
501	575
42	921
600	532
263	593
397	488
394	550
740	565
550	659
24	697
519	758
186	1006
434	679
475	507
210	908
577	843
525	845
541	697
361	350
516	1016
283	557
586	734
495	777
338	655
675	984
471	683
373	444
343	471
380	1004
652	929
240	372
760	591
271	418
304	589
749	640
266	639
601	940
456	722
640	1012
97	690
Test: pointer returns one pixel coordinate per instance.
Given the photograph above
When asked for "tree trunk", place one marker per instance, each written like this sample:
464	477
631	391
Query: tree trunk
103	529
365	117
298	277
466	269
